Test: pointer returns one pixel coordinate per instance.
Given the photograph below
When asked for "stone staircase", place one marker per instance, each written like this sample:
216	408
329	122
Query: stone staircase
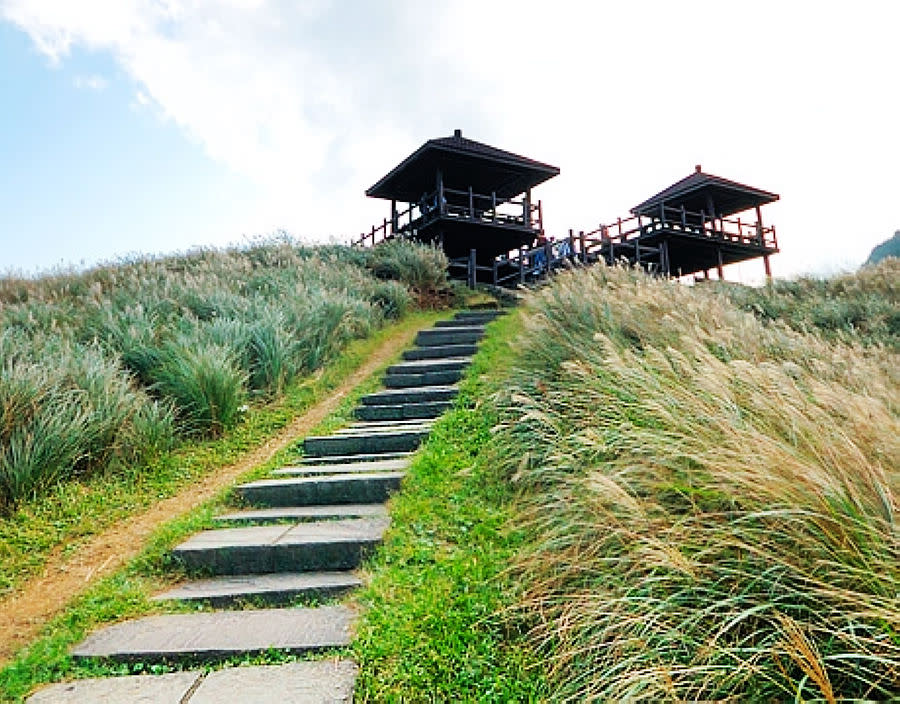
305	530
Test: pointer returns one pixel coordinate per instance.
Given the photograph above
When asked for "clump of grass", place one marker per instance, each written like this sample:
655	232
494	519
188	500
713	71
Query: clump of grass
422	268
863	306
137	344
710	500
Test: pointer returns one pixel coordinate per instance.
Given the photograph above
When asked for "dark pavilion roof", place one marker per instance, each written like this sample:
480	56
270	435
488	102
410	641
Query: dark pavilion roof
694	192
464	162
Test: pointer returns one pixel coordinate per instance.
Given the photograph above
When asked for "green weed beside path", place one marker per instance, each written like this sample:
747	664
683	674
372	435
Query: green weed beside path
126	593
72	512
432	628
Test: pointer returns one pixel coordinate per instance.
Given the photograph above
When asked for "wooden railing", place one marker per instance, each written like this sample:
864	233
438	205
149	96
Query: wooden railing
691	223
456	204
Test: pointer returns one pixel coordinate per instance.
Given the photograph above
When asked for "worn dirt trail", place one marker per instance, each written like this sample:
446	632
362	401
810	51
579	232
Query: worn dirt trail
23	613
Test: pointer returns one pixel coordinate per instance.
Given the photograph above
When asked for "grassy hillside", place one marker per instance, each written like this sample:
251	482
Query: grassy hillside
708	485
111	366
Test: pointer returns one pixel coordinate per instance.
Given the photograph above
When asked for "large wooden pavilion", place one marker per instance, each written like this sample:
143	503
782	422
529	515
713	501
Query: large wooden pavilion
693	226
463	195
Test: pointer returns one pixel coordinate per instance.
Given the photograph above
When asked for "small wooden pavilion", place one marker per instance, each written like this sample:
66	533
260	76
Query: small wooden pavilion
693	226
463	195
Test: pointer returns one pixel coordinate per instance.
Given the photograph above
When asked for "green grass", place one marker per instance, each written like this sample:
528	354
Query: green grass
709	497
73	511
150	351
432	628
126	593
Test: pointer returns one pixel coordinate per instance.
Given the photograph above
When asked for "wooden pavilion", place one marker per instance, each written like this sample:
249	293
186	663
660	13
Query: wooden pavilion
693	226
464	196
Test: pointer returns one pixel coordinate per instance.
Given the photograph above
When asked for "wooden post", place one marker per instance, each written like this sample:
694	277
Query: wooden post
494	206
521	266
768	267
619	220
582	244
664	258
472	270
373	235
662	213
759	225
548	253
719	263
526	209
394	224
471	204
702	222
637	251
706	274
541	216
571	246
440	192
683	217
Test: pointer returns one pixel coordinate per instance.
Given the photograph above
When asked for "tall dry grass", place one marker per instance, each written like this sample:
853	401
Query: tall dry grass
710	499
106	366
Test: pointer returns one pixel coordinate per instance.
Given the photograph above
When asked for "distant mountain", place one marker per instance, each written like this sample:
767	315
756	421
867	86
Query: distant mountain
888	248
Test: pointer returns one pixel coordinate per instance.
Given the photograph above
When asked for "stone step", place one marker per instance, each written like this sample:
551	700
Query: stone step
283	514
397	465
302	547
404	381
440	352
485	314
379	426
462	322
272	589
307	682
425	366
368	488
424	394
219	635
461	335
364	442
354	459
431	409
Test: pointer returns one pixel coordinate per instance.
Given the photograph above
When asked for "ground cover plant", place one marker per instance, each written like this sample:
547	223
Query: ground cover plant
126	592
709	496
432	627
858	307
107	368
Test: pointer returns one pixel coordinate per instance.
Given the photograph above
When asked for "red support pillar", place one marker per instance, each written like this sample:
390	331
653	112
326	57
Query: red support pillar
768	267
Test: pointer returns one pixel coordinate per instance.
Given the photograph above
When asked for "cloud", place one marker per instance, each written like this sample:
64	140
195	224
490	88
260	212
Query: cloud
93	82
316	100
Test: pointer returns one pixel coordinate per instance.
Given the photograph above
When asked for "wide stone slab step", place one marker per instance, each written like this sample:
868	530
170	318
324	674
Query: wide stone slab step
461	335
365	426
311	682
440	352
364	442
406	411
219	635
272	589
463	322
405	381
350	488
354	458
425	366
283	514
303	547
485	315
424	394
396	465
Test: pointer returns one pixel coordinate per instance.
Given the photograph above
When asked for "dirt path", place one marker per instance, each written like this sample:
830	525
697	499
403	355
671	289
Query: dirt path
23	613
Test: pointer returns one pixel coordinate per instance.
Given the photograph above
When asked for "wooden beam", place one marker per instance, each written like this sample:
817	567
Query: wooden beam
768	267
719	263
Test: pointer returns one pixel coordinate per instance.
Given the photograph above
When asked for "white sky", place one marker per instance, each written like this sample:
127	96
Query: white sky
314	101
